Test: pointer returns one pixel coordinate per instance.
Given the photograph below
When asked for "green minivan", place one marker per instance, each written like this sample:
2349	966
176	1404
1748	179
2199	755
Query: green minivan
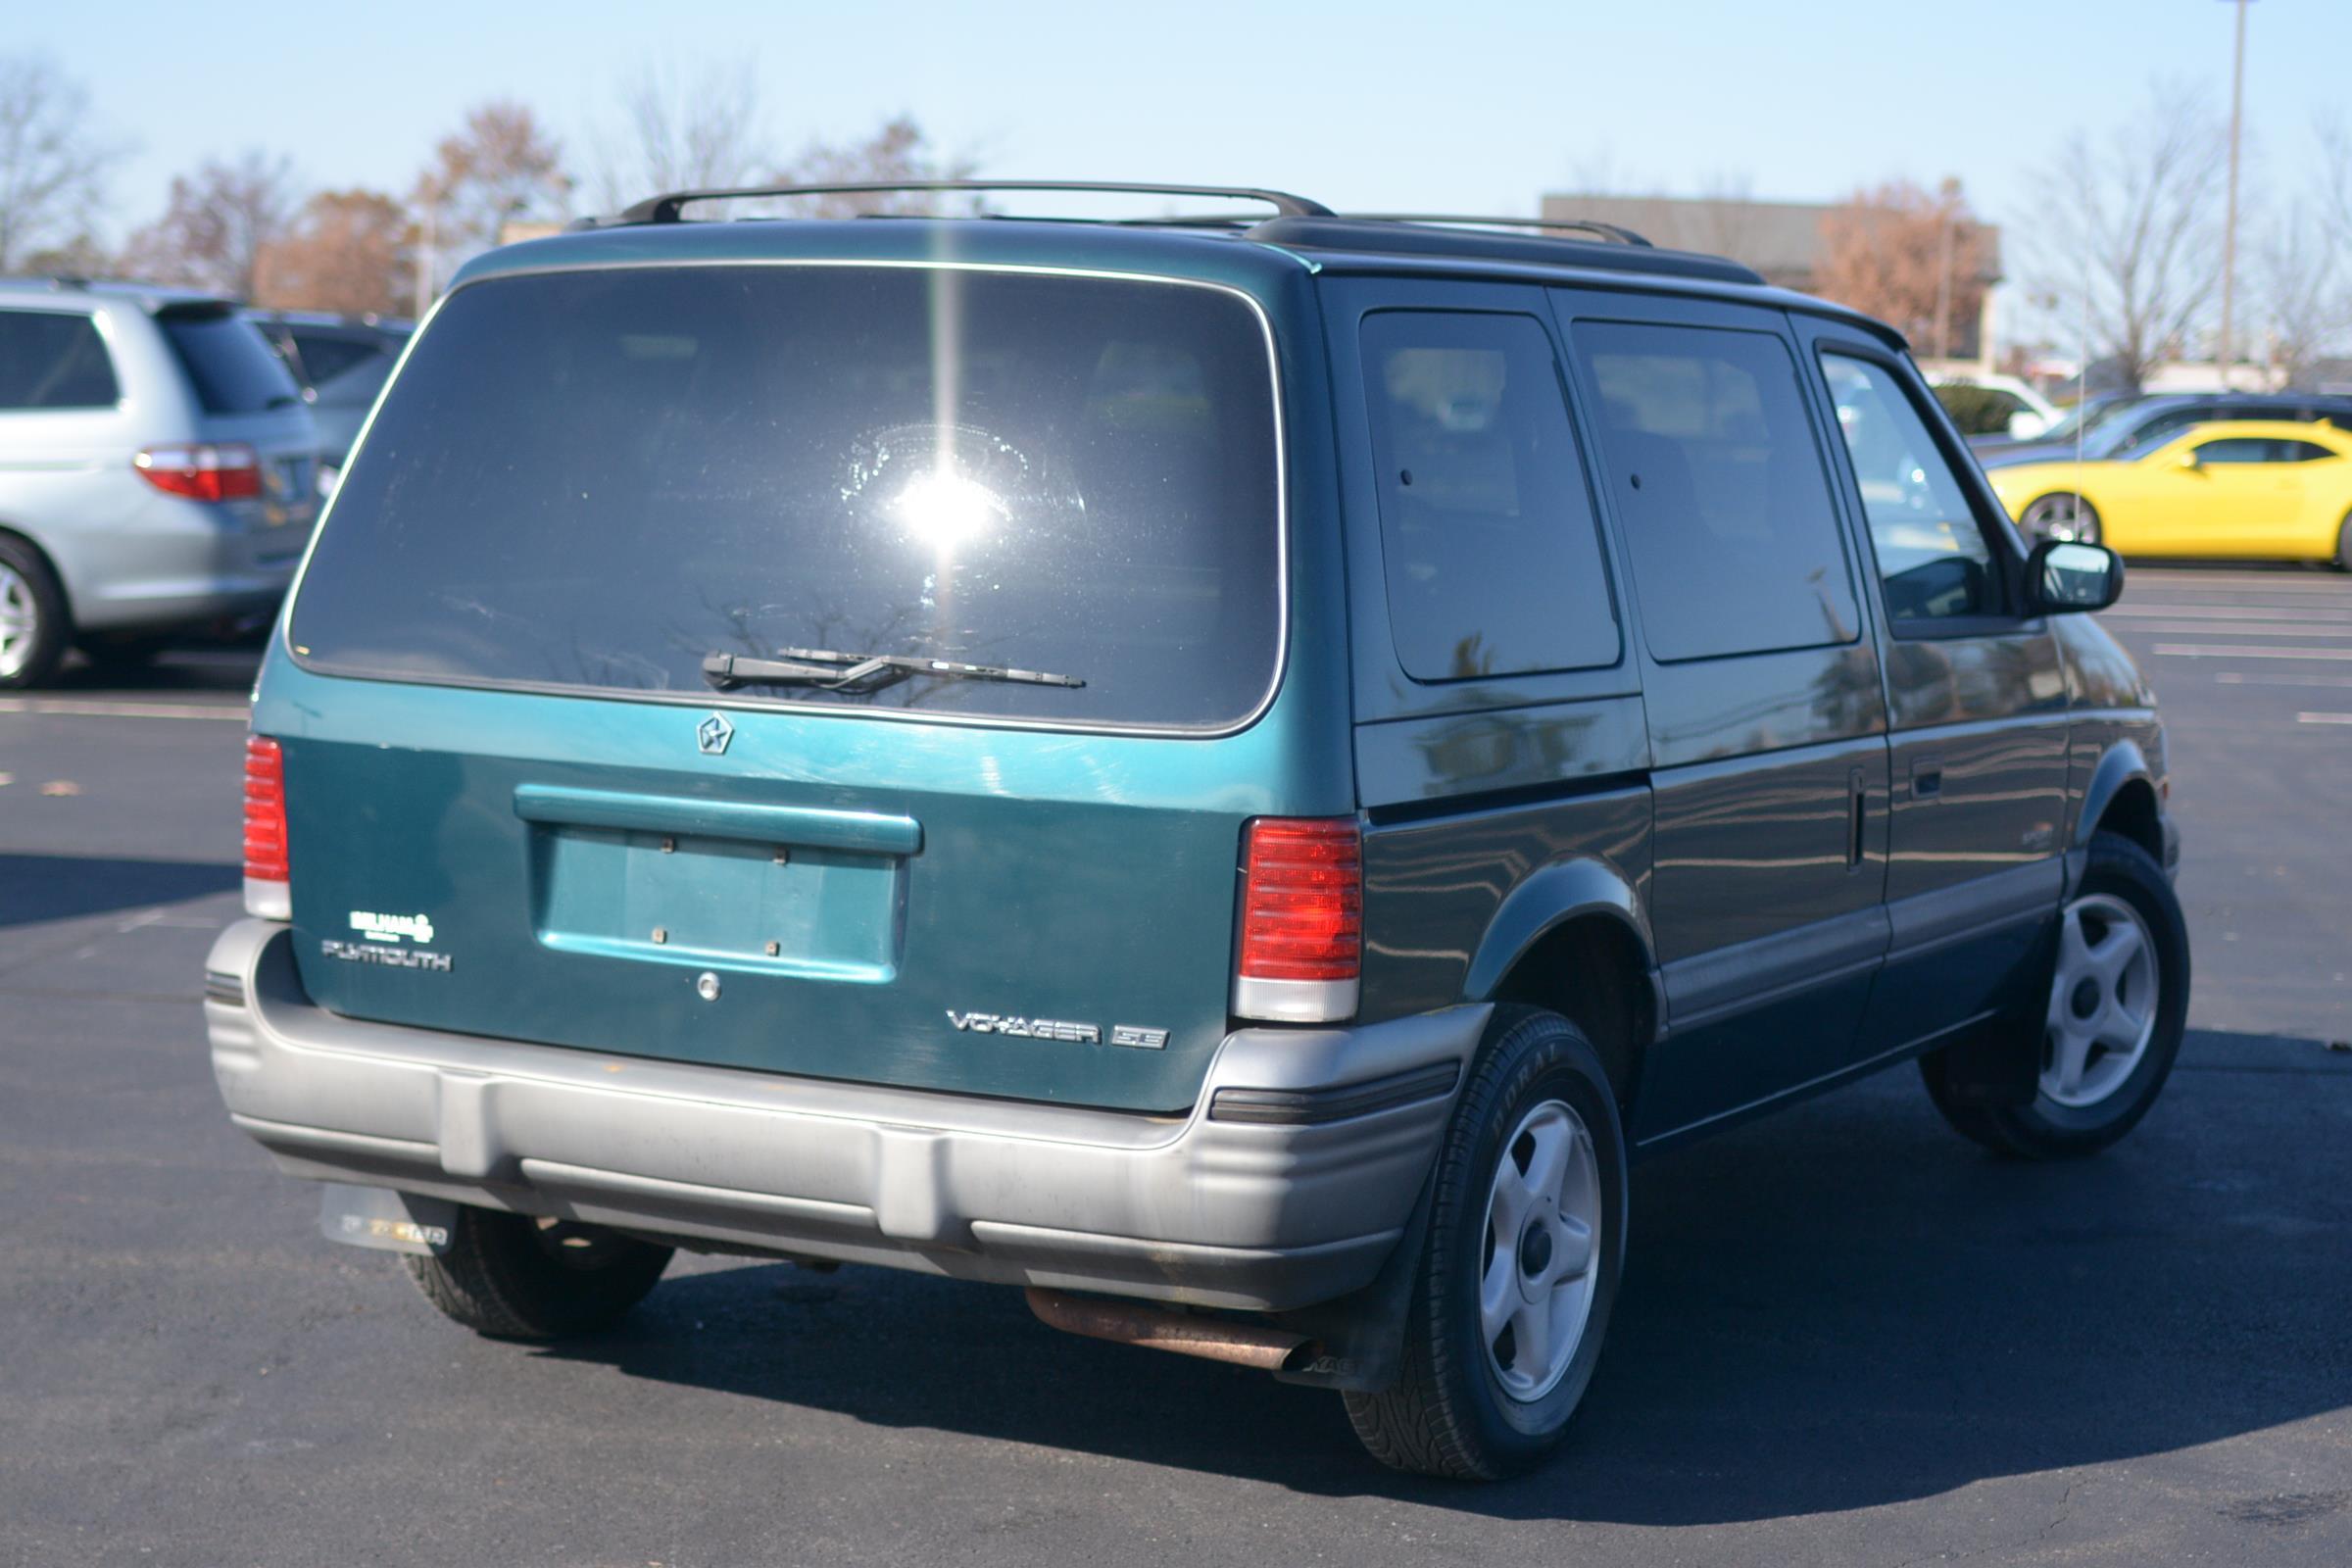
1232	771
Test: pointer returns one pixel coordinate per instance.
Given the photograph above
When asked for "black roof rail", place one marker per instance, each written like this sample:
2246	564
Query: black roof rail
1376	237
1612	232
668	207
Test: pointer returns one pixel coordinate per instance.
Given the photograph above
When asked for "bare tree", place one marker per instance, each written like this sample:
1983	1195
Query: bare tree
498	166
2124	228
53	162
2301	289
899	151
1910	257
683	133
348	251
217	225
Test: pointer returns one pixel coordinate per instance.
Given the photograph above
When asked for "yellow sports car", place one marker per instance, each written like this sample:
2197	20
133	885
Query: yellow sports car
2252	488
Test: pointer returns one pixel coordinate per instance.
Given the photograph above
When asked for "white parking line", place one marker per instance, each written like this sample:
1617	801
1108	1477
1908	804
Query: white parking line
2247	650
79	709
2324	719
2240	628
2239	677
2195	610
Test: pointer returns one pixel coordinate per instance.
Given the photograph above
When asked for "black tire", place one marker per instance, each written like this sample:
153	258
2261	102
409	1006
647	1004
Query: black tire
1449	1413
28	588
2343	545
2044	1128
514	1277
2036	518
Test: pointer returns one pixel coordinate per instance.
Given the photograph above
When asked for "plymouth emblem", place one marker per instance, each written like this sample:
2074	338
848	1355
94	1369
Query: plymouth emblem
713	734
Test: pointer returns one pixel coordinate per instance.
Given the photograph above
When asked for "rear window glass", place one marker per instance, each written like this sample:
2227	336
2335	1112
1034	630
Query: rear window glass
325	355
1720	485
1487	533
54	360
228	360
599	479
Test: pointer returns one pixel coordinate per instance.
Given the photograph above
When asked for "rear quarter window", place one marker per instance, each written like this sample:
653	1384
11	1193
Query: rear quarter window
1488	539
593	480
54	360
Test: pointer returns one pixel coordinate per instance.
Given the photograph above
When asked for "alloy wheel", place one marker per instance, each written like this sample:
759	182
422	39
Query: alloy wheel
20	621
1539	1266
2103	1001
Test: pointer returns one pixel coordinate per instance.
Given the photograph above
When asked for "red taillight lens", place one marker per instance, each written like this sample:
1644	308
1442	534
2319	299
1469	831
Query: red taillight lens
206	470
1302	899
266	812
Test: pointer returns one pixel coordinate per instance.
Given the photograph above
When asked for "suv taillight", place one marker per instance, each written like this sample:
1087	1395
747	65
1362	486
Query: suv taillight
202	470
269	892
1301	957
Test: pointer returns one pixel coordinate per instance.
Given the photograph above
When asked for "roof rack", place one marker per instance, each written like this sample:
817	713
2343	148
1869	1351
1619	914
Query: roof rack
669	206
1612	232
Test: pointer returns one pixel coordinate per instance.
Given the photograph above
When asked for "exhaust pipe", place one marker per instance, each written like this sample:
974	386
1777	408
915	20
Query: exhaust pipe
1155	1328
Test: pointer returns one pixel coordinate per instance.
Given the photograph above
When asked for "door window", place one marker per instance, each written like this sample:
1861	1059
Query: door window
54	360
1933	561
2242	449
1488	538
1716	477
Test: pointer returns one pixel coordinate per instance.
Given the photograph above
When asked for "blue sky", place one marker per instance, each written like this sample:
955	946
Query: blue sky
1458	106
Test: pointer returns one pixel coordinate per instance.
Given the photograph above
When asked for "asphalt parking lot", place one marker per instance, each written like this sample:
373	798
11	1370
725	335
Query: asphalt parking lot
1847	1336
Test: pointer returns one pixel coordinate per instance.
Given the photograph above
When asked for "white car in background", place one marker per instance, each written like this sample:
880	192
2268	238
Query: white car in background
2022	413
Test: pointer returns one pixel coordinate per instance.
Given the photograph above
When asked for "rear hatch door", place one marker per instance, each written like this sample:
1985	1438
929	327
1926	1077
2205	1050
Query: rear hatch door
521	805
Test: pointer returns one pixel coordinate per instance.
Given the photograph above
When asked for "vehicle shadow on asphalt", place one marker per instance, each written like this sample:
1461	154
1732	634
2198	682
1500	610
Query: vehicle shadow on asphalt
36	888
1842	1308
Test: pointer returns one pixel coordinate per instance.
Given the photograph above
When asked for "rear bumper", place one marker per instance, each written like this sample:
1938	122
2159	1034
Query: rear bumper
1289	1182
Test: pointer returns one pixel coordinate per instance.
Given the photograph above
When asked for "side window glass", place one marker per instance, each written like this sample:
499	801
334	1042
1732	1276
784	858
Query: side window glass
1488	538
1714	471
1933	561
54	360
2303	452
2239	449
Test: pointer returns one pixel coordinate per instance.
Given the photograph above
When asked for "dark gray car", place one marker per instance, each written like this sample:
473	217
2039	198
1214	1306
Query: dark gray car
2121	426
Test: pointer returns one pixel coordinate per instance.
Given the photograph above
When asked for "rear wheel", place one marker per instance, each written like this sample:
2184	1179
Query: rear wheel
2118	1001
34	624
2343	545
1526	1243
517	1277
2062	516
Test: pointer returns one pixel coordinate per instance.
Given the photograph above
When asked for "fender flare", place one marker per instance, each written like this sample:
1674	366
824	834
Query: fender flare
2120	763
1563	891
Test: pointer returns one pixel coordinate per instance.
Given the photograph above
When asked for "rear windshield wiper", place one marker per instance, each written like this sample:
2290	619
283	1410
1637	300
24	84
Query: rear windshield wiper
855	673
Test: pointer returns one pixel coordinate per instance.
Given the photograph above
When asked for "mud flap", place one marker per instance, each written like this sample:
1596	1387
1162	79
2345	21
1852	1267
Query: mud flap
1999	1062
1360	1336
387	1221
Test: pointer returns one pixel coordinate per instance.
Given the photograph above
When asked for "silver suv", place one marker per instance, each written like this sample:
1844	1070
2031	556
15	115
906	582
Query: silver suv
158	471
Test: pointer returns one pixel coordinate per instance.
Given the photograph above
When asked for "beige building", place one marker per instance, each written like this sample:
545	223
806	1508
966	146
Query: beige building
1782	240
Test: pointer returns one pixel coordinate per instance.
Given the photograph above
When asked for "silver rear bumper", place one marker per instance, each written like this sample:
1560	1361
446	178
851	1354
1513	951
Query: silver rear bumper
1288	1182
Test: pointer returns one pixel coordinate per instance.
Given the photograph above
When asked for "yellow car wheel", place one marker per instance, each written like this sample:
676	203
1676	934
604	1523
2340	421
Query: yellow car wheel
2062	516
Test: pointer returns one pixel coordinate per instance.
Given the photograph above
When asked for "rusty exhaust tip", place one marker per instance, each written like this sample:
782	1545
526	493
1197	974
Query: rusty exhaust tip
1156	1328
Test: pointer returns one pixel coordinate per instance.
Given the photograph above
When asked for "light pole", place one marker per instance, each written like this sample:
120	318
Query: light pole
2238	94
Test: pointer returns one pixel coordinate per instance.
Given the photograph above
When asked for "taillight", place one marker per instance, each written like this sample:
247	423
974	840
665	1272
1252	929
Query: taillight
1301	957
202	470
268	873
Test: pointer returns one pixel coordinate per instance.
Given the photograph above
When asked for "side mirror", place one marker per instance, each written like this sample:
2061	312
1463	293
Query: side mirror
2066	575
2025	424
2189	459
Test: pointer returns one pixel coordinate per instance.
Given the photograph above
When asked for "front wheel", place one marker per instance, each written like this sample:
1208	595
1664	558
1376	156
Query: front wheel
517	1277
2118	1003
2062	516
2343	545
1525	1247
